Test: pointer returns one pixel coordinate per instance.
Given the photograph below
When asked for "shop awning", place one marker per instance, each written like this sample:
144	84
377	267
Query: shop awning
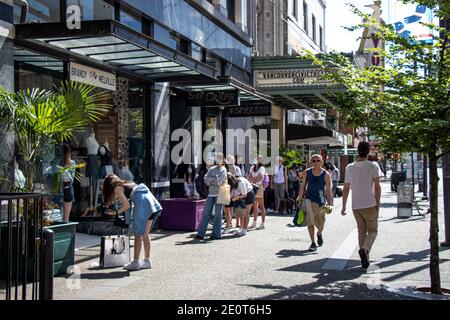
313	135
294	83
116	45
247	93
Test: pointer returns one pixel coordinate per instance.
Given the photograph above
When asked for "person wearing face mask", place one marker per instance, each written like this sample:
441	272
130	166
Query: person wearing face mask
256	176
189	180
214	178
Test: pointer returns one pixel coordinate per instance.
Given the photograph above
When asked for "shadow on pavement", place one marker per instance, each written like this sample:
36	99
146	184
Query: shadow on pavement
295	253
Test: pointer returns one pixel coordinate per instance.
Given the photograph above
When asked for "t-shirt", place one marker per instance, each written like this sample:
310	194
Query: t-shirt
254	174
278	174
244	186
360	175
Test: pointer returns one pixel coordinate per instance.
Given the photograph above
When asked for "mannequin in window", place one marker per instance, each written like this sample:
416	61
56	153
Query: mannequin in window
105	160
19	177
92	168
68	178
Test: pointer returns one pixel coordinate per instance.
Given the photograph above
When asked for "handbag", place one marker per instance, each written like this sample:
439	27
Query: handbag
224	196
114	251
299	218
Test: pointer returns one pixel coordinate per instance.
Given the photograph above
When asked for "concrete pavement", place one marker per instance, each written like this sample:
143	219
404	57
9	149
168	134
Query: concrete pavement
270	264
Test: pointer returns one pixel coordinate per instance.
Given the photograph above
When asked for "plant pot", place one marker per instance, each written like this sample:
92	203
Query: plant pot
63	246
181	214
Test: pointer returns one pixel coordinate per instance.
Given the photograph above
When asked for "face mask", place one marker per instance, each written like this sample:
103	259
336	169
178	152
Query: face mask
189	170
102	151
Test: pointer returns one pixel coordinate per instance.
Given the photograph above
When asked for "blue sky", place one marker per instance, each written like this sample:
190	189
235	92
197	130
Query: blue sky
339	15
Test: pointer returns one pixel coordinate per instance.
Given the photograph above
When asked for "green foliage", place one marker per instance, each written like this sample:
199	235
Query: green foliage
40	119
291	157
406	102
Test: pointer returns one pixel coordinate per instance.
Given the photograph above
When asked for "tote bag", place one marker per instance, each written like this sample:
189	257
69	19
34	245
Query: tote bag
224	196
114	251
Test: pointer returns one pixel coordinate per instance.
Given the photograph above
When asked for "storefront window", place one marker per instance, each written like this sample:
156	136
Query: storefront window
94	9
40	11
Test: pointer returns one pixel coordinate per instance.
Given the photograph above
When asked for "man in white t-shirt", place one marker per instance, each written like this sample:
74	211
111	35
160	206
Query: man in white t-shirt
363	178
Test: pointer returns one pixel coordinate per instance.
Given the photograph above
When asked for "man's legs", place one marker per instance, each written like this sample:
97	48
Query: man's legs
362	229
372	228
276	190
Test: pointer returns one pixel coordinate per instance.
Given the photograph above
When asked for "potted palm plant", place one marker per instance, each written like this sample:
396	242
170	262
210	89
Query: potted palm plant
39	120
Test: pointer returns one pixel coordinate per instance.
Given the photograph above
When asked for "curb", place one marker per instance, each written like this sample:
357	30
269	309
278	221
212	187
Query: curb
411	292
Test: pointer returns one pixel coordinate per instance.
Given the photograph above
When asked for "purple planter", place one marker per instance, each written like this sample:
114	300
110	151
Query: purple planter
181	214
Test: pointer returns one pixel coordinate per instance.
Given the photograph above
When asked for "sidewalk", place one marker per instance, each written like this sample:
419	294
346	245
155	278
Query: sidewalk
270	264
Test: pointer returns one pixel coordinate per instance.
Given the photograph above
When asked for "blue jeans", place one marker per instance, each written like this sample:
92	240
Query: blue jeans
217	226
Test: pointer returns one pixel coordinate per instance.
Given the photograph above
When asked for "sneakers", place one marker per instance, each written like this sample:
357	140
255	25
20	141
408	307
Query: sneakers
242	232
198	237
313	247
253	225
227	230
213	237
319	240
132	266
364	258
261	227
146	264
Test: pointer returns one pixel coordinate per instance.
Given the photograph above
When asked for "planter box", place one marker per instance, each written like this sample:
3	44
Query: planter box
181	214
63	246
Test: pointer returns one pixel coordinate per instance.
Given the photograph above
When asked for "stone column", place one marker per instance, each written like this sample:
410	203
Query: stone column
121	102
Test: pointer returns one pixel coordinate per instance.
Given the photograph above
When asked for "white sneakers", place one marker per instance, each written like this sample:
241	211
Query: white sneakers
136	265
226	230
242	232
253	225
261	227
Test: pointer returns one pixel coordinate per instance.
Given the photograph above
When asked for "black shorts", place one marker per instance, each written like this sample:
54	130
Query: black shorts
68	192
250	199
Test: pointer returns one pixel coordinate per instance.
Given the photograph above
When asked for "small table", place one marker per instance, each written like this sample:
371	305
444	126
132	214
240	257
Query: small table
182	214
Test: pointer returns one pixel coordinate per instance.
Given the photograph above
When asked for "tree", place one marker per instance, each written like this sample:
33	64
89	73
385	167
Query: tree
405	102
40	119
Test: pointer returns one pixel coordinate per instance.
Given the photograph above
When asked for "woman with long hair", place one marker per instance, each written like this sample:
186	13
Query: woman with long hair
242	199
256	176
189	182
145	210
68	177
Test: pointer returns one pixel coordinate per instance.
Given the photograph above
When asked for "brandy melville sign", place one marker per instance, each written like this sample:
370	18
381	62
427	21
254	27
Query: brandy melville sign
213	98
92	76
290	77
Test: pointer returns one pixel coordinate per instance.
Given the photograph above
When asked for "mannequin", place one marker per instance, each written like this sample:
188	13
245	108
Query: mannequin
105	160
19	177
92	165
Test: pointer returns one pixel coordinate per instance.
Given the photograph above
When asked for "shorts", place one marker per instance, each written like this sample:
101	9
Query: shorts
260	193
250	199
315	214
69	195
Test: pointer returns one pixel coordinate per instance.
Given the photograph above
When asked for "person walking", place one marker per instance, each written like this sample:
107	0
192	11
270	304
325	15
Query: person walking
293	182
256	176
316	185
146	209
214	178
335	176
279	182
363	178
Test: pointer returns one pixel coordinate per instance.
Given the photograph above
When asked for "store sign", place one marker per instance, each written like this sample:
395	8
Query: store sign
92	76
264	110
350	152
290	77
213	98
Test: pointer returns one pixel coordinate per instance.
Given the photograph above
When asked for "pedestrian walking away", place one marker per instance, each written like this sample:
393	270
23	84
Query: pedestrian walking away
363	179
146	209
214	178
316	186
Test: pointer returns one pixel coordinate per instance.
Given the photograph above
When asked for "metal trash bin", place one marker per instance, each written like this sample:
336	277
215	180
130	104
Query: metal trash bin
405	194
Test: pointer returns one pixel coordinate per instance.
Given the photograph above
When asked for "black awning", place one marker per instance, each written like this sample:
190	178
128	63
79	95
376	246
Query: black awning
116	45
247	93
298	132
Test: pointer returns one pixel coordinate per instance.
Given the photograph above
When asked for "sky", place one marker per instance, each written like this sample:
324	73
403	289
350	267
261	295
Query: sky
340	15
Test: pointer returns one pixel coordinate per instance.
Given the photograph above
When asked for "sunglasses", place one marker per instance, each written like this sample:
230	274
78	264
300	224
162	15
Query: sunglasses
316	161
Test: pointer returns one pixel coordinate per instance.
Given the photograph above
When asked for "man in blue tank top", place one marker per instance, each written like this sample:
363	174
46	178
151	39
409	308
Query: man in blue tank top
316	186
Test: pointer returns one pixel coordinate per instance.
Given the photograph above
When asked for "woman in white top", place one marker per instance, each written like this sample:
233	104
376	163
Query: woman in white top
242	197
256	176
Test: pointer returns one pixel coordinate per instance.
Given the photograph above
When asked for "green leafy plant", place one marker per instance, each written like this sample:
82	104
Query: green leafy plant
40	119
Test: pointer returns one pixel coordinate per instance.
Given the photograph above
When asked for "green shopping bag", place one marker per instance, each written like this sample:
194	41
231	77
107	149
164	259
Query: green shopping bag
299	217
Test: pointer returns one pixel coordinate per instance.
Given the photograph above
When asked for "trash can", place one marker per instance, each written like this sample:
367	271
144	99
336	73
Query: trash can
405	196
